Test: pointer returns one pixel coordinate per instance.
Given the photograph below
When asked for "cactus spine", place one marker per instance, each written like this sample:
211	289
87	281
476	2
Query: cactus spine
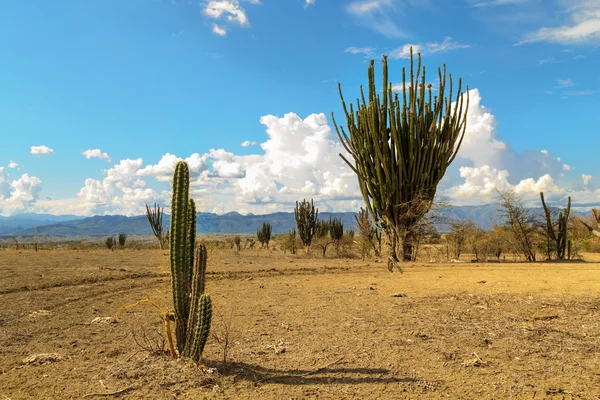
193	309
401	149
559	237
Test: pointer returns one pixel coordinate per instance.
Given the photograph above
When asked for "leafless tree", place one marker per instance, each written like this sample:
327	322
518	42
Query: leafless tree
524	225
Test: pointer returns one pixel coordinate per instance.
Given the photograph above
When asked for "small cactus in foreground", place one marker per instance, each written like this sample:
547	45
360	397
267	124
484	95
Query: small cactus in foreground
193	309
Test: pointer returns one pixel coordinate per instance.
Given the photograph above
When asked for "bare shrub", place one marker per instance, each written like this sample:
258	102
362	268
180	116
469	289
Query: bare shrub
224	332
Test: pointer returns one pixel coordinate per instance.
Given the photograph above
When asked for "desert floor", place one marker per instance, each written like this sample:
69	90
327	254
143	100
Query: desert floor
300	328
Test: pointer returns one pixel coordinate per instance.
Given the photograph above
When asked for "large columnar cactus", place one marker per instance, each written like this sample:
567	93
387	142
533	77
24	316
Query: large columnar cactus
558	236
401	149
306	219
193	309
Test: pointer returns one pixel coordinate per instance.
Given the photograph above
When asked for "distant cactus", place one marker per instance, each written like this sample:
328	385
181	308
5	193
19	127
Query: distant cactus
291	238
155	217
559	237
237	242
122	239
323	235
336	231
264	234
110	242
306	220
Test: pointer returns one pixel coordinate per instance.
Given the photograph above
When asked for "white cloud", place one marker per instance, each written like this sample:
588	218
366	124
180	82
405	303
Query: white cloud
493	3
96	153
229	8
120	192
448	44
38	150
12	164
481	182
299	158
247	143
580	93
226	11
18	195
163	170
545	183
583	26
378	15
485	162
367	51
4	183
547	60
217	30
564	83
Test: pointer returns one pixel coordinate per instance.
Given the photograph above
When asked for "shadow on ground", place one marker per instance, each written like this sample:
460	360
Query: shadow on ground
324	375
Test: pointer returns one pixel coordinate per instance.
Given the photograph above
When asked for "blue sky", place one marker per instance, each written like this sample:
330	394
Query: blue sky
99	99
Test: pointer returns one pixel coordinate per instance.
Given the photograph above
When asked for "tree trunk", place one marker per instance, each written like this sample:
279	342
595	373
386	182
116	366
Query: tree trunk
392	257
407	247
407	251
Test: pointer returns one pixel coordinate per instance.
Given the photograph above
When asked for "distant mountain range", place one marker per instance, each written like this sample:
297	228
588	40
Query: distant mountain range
73	226
233	222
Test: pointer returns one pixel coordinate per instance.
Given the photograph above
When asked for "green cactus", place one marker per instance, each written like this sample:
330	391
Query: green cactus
264	234
401	146
306	219
559	237
193	309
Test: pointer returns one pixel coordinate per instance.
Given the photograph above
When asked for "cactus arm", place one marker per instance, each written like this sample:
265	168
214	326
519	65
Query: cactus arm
190	243
201	328
197	291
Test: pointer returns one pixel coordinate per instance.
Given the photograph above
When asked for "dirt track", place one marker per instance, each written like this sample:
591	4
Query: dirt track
303	328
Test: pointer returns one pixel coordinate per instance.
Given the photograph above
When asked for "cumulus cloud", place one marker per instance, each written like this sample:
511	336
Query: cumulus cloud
96	153
485	163
163	170
38	150
18	195
121	191
227	12
12	164
586	179
299	158
247	143
583	25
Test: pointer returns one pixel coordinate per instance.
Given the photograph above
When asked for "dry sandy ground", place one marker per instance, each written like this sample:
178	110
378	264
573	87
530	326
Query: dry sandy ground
301	328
